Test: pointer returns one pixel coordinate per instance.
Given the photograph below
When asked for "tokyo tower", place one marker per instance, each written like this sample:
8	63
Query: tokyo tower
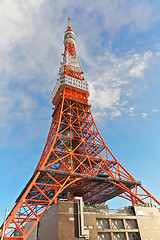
75	161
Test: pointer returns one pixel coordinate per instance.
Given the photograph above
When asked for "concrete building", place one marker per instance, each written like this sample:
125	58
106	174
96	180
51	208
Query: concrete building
72	221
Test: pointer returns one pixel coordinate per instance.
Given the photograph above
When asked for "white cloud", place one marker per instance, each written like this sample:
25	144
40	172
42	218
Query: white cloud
132	114
116	113
99	116
124	103
103	96
131	110
129	94
17	20
139	64
155	110
29	49
157	46
144	115
116	76
138	15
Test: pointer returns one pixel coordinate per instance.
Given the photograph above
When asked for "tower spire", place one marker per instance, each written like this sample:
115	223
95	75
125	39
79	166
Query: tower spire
69	22
70	71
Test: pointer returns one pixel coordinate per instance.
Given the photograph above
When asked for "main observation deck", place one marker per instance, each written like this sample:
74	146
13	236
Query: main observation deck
70	83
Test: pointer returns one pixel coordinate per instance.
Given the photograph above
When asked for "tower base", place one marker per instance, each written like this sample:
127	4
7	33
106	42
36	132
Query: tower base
61	221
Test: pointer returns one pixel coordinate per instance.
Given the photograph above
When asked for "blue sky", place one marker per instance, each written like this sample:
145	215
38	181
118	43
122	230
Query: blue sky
118	42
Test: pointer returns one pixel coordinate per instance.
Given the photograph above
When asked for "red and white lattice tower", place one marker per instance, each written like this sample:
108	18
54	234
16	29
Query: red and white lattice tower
75	160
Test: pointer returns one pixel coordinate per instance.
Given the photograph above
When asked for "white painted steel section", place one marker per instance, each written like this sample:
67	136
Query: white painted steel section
82	232
72	61
70	81
69	37
55	89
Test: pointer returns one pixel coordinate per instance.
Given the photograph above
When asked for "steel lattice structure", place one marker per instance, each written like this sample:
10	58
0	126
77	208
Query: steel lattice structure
75	160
